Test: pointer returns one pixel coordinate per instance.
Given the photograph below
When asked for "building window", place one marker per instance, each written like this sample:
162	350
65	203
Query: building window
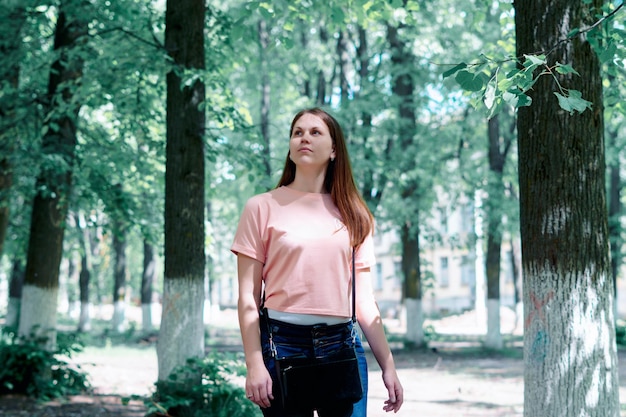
444	279
468	271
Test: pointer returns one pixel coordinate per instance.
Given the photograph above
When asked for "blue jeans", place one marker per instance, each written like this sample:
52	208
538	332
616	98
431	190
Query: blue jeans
311	341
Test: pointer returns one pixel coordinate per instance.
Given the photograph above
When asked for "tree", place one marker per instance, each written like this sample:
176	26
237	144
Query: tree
50	207
182	332
569	335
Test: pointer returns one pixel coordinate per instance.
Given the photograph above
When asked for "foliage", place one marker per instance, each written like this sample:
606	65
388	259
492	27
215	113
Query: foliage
28	368
493	85
216	394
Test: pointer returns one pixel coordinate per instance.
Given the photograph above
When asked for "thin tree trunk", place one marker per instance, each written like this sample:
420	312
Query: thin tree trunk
570	355
265	98
615	213
84	278
182	331
120	278
16	283
497	159
147	280
343	60
39	299
402	87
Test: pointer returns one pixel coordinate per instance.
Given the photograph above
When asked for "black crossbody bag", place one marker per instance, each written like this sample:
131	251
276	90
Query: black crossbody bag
312	383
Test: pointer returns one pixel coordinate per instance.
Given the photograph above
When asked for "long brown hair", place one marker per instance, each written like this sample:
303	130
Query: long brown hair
339	181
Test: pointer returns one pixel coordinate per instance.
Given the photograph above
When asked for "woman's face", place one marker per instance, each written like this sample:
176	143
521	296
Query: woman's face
311	143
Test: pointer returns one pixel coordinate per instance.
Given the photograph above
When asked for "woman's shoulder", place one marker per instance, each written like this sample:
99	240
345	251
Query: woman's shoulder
262	199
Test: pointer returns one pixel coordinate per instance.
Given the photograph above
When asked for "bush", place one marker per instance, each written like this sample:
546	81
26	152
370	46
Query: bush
28	368
204	387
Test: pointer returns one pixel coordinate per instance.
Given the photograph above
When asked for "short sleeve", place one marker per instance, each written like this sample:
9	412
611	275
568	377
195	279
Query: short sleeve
249	235
365	256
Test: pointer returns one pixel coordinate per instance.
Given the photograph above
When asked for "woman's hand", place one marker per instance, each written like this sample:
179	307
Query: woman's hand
395	390
259	385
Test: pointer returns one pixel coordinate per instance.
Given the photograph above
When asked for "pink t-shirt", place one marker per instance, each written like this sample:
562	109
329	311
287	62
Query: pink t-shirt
305	251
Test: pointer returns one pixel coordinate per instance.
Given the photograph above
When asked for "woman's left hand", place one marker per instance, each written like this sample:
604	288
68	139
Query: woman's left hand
395	390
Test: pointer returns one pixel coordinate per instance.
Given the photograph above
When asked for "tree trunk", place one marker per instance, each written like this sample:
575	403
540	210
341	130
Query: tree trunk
497	159
402	88
265	98
570	358
12	17
84	278
45	246
412	285
615	213
182	331
147	280
516	266
343	60
16	284
120	278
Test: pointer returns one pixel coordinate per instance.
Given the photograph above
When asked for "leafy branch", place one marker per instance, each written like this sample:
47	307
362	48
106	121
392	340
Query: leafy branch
512	87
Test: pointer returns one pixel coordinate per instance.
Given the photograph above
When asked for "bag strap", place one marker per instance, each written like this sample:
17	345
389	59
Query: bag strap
353	288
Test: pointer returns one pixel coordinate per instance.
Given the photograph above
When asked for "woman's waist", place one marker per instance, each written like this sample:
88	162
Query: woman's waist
300	319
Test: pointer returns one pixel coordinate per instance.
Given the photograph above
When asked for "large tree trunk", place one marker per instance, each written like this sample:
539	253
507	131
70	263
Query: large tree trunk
182	330
147	280
570	358
12	17
45	246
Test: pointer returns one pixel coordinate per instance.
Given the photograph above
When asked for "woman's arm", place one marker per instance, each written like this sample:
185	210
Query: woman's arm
371	323
258	380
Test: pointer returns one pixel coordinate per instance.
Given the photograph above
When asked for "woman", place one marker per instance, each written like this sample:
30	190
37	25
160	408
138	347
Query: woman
294	249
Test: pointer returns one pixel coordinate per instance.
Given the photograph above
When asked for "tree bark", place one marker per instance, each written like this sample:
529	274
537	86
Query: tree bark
265	98
569	333
39	300
182	331
84	277
12	17
402	88
16	284
497	159
120	278
147	280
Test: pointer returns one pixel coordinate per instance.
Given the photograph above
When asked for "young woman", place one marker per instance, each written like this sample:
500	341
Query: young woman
294	254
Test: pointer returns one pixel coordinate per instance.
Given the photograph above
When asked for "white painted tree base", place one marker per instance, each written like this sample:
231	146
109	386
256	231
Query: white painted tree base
181	335
84	317
119	316
147	324
414	321
493	339
38	315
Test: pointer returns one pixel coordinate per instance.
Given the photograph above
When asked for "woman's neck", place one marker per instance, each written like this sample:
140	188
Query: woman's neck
309	184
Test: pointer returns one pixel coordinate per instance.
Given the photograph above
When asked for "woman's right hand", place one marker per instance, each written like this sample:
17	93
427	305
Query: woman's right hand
259	385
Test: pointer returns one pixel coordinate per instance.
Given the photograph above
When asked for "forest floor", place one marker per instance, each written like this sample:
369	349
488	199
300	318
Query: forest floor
453	377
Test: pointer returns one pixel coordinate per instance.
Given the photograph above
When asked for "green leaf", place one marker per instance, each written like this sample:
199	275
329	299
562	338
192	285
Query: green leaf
469	81
565	69
573	102
534	60
454	69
